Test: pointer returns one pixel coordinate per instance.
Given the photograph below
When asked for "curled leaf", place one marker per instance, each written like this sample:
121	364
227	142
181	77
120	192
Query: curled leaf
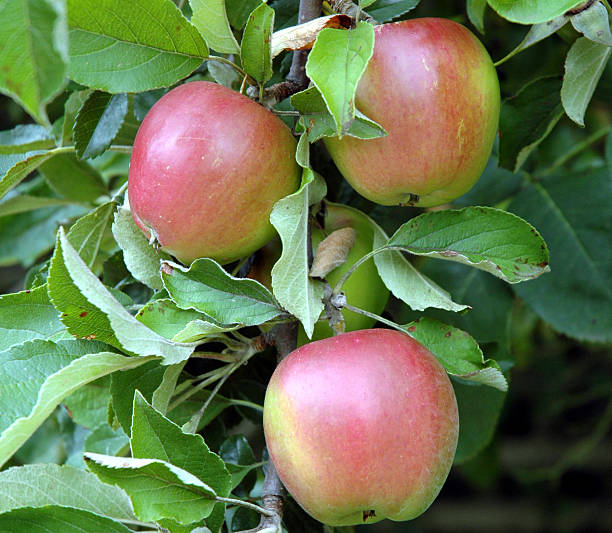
332	252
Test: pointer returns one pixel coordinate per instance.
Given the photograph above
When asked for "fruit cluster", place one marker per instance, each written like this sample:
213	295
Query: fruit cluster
364	425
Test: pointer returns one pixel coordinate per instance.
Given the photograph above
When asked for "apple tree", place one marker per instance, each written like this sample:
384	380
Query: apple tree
191	189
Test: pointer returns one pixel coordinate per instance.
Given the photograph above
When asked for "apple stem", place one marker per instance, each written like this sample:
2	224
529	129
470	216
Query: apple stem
375	317
354	266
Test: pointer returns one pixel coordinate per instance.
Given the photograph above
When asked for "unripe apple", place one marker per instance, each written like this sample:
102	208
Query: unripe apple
361	427
207	166
432	85
364	288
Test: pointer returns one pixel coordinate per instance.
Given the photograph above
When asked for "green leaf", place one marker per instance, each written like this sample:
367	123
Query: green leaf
210	18
255	46
537	33
573	212
294	289
105	440
73	179
14	168
88	308
131	46
142	260
88	406
475	11
41	485
24	203
387	10
33	44
71	108
206	287
239	458
36	376
238	11
483	237
530	12
155	487
594	23
27	315
87	233
56	519
584	66
406	282
479	409
316	120
25	138
97	122
526	120
166	318
335	65
156	437
608	150
457	351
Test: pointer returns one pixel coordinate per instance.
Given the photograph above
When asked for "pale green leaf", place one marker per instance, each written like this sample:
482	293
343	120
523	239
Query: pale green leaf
73	179
594	23
25	138
210	18
530	11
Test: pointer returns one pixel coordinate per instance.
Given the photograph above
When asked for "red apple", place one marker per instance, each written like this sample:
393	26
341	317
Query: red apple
361	427
432	85
207	166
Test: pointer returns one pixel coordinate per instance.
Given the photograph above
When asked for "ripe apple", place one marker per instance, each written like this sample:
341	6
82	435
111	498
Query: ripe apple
432	85
361	427
207	166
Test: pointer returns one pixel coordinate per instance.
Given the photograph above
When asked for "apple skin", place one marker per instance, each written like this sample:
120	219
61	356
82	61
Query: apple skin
361	427
207	166
364	288
432	85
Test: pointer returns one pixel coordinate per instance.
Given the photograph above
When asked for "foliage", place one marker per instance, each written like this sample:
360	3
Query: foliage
154	360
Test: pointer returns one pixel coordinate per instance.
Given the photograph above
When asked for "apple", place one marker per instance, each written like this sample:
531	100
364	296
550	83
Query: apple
361	427
207	166
364	288
432	85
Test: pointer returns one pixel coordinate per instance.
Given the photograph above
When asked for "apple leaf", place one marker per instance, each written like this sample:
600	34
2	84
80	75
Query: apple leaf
457	351
156	437
73	179
594	24
584	66
573	213
90	310
210	18
255	51
108	441
475	11
206	287
25	138
14	168
27	315
387	10
238	11
88	406
41	485
479	409
24	203
335	65
526	120
294	289
537	33
33	40
317	122
131	46
404	280
57	519
486	238
141	258
155	487
71	108
530	12
37	375
97	122
239	458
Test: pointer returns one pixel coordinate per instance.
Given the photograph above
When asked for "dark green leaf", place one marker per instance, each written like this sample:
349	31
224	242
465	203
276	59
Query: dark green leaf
238	11
530	12
255	46
526	119
575	216
97	122
475	11
73	179
387	10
